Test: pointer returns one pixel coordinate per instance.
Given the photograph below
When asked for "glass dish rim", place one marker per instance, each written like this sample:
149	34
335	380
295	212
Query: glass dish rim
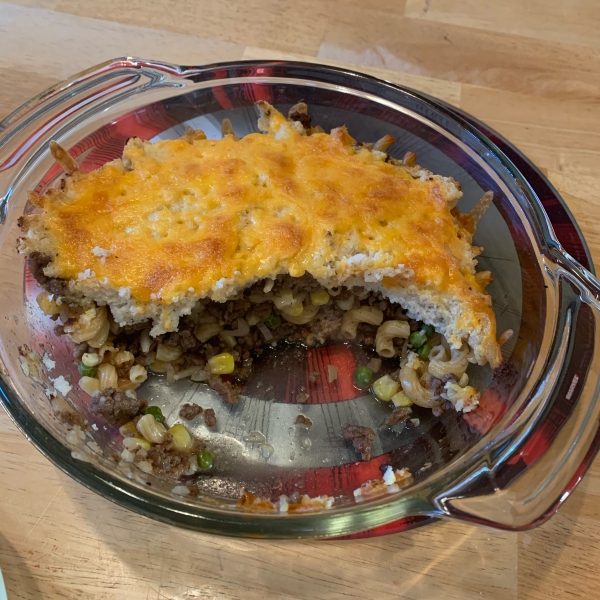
100	479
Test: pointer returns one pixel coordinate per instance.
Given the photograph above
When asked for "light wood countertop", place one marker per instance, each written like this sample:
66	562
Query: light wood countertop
531	70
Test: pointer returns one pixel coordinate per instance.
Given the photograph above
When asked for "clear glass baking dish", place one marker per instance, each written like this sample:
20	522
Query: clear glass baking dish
509	465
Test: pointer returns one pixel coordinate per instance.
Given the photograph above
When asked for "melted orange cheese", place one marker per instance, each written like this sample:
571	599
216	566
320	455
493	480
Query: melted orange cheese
188	215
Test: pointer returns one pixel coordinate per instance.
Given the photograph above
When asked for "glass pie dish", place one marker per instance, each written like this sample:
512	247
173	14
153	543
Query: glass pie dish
509	464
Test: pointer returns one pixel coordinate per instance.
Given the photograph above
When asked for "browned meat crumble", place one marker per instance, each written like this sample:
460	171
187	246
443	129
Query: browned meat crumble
116	408
210	418
190	411
362	438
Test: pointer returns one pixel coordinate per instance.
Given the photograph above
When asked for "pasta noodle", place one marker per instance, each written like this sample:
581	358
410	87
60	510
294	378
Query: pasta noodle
456	365
362	314
386	333
145	341
107	374
308	314
346	303
90	324
207	330
98	340
413	388
168	353
138	374
123	357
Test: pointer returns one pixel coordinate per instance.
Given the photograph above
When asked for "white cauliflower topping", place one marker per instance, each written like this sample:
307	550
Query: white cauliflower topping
61	385
392	482
101	253
87	274
48	362
465	399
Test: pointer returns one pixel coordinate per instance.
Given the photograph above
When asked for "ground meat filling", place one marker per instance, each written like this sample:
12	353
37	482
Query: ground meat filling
302	118
116	408
166	461
256	307
437	385
397	416
37	263
362	439
229	392
210	418
190	411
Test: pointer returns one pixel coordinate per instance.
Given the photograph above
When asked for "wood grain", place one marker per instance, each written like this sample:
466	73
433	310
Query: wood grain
460	53
530	70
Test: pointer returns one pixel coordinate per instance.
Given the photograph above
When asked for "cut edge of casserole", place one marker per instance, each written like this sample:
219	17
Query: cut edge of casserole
176	222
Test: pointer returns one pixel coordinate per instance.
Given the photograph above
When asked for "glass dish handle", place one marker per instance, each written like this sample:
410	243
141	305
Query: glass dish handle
507	489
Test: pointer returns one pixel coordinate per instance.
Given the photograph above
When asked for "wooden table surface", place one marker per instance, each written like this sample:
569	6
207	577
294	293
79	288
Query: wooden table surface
529	69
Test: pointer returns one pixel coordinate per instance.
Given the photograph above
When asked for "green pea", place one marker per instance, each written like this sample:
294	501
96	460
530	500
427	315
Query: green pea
205	459
155	412
87	371
417	338
429	330
424	351
363	377
273	321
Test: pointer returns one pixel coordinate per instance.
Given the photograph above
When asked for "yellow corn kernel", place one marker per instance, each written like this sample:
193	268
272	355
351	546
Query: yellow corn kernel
182	440
464	380
221	364
401	399
158	366
135	443
319	297
128	430
89	385
385	387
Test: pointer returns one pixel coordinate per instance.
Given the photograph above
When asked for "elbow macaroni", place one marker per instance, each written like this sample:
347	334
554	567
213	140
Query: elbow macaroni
413	388
440	364
384	339
362	314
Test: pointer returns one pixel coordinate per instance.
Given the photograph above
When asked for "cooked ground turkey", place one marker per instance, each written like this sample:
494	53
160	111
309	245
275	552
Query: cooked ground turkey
37	263
324	328
72	418
229	392
166	461
398	415
190	411
210	418
436	385
303	118
116	408
362	438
